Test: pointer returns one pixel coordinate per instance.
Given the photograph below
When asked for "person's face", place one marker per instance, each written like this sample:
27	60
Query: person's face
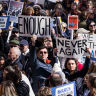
86	80
29	13
42	54
12	55
48	43
37	11
23	48
2	61
71	65
92	26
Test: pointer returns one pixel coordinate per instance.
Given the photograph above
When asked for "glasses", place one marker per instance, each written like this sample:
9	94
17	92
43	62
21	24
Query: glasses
41	52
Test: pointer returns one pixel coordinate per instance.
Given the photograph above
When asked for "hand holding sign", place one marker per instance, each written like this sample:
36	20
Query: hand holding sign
33	39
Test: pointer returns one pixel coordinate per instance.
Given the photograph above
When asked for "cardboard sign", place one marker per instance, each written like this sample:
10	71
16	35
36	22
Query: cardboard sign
64	90
38	25
71	48
15	8
4	22
73	22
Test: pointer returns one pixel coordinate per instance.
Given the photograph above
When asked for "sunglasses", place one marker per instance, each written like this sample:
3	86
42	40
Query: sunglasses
92	25
13	46
41	52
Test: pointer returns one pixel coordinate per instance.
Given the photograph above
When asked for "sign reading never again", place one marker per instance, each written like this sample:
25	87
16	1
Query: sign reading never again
37	25
71	48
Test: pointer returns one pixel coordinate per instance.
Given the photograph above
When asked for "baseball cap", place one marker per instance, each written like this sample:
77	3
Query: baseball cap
24	42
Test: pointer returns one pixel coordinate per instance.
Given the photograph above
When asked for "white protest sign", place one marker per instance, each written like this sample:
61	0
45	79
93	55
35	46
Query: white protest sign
32	0
54	1
38	25
64	90
71	48
92	44
39	2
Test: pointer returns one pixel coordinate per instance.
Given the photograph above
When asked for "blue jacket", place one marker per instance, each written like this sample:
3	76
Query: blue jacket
40	70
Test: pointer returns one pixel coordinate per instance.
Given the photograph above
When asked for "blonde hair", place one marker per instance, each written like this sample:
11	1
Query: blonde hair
8	89
44	91
29	8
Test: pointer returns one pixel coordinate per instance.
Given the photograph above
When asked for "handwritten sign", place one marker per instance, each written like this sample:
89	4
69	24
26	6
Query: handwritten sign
38	25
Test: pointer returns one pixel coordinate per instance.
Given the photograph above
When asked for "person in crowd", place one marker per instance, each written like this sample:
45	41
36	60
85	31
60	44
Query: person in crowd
24	77
14	57
2	63
71	72
15	34
92	27
14	74
25	54
44	91
7	88
37	9
40	65
29	11
56	79
91	84
47	42
64	31
90	6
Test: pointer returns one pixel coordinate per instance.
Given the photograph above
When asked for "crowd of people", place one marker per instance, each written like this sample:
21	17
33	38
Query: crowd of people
29	66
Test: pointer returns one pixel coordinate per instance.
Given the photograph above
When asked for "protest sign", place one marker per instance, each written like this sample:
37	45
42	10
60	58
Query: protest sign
92	44
15	8
71	48
64	90
32	0
73	22
38	25
39	2
54	1
4	22
14	19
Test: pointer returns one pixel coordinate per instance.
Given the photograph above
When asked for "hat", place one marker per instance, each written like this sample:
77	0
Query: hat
24	42
43	12
36	6
16	42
